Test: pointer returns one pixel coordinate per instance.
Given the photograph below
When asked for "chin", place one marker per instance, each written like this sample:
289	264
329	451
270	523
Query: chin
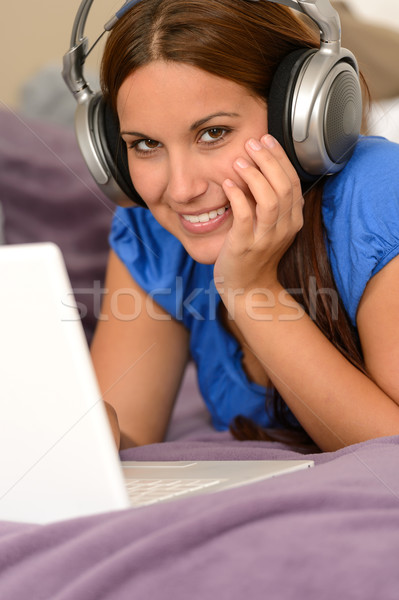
205	258
205	253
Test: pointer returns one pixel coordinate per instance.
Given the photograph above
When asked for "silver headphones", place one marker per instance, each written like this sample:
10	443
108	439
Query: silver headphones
314	105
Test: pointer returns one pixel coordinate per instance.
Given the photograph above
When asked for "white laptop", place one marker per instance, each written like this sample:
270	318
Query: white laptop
58	459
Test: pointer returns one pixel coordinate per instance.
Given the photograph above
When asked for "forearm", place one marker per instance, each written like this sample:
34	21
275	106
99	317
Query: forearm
335	402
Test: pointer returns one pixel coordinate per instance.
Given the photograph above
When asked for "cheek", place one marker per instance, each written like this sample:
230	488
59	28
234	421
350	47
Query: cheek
146	179
221	167
227	170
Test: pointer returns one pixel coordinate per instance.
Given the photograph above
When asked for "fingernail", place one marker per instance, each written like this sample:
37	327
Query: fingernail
241	162
229	183
254	144
269	141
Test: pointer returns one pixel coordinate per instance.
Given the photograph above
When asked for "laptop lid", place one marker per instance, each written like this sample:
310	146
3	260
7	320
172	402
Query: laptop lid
57	455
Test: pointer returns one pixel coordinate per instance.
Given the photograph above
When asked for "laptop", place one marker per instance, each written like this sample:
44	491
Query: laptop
58	459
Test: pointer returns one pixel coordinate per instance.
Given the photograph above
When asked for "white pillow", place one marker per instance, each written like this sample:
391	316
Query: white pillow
384	119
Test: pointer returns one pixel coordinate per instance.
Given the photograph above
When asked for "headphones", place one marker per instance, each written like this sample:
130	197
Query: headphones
314	105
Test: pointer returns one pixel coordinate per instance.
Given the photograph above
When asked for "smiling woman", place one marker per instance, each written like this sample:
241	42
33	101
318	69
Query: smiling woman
265	271
180	151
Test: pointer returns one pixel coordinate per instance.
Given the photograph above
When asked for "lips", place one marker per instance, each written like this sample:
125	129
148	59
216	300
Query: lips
206	216
205	222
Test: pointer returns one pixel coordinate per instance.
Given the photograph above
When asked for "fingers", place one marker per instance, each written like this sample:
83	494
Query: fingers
266	203
273	183
242	229
279	163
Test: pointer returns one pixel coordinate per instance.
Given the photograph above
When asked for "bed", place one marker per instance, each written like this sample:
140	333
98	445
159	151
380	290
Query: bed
325	533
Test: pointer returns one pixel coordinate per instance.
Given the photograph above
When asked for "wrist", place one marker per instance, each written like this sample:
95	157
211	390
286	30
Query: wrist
272	303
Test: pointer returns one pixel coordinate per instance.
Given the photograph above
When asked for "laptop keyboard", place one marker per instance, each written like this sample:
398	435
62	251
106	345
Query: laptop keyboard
143	492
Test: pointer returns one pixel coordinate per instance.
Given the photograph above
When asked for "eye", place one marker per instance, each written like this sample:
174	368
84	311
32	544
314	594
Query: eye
145	146
214	134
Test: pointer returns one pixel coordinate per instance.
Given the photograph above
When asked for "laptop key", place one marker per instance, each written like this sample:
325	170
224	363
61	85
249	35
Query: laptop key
143	492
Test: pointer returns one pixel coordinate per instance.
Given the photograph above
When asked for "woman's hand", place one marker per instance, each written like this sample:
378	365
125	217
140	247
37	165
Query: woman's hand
267	214
113	421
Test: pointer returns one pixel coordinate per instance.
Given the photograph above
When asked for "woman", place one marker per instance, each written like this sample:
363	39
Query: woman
272	294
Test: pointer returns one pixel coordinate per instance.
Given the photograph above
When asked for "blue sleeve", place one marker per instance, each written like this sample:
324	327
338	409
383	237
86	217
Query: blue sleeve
361	216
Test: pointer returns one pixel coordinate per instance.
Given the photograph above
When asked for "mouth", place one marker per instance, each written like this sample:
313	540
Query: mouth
205	222
206	216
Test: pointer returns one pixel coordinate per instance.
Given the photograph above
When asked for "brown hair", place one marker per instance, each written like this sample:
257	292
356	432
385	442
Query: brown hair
244	42
239	40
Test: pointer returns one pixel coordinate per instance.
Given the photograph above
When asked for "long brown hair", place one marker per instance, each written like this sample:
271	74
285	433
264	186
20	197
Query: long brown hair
244	42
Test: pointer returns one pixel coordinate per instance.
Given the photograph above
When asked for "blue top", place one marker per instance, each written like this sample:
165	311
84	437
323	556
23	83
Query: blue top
361	214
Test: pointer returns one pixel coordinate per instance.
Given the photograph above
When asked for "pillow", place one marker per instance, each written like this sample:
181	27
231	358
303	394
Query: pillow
47	194
383	119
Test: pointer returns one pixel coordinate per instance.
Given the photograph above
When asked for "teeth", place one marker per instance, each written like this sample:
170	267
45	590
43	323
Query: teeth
205	217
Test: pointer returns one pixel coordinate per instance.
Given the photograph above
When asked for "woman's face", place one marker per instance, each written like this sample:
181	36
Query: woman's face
184	128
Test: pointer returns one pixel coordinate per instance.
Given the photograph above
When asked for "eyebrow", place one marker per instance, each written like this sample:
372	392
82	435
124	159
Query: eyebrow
201	122
193	127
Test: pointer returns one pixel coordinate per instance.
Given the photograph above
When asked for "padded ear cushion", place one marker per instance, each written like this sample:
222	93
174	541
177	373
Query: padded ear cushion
115	152
280	104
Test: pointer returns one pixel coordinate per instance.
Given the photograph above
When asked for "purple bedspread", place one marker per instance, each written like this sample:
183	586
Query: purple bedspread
331	532
328	533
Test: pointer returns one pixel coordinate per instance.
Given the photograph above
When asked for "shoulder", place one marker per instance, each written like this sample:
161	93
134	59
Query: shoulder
373	148
366	189
361	217
374	163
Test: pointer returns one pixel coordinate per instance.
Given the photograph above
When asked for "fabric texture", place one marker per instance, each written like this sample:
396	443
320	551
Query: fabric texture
48	194
325	533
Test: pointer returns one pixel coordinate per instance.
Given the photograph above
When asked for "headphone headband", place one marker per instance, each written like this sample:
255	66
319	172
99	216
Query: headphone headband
320	11
314	106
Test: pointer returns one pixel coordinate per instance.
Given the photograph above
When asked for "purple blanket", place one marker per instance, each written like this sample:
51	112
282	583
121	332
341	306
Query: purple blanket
325	533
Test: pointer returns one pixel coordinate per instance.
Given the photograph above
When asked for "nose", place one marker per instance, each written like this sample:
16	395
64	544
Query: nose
186	178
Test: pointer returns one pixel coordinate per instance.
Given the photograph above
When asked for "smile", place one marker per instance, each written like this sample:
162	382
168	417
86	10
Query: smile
205	217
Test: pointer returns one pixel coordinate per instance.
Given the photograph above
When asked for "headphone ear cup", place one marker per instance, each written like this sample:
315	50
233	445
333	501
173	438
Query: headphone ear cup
280	100
343	113
115	152
327	118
